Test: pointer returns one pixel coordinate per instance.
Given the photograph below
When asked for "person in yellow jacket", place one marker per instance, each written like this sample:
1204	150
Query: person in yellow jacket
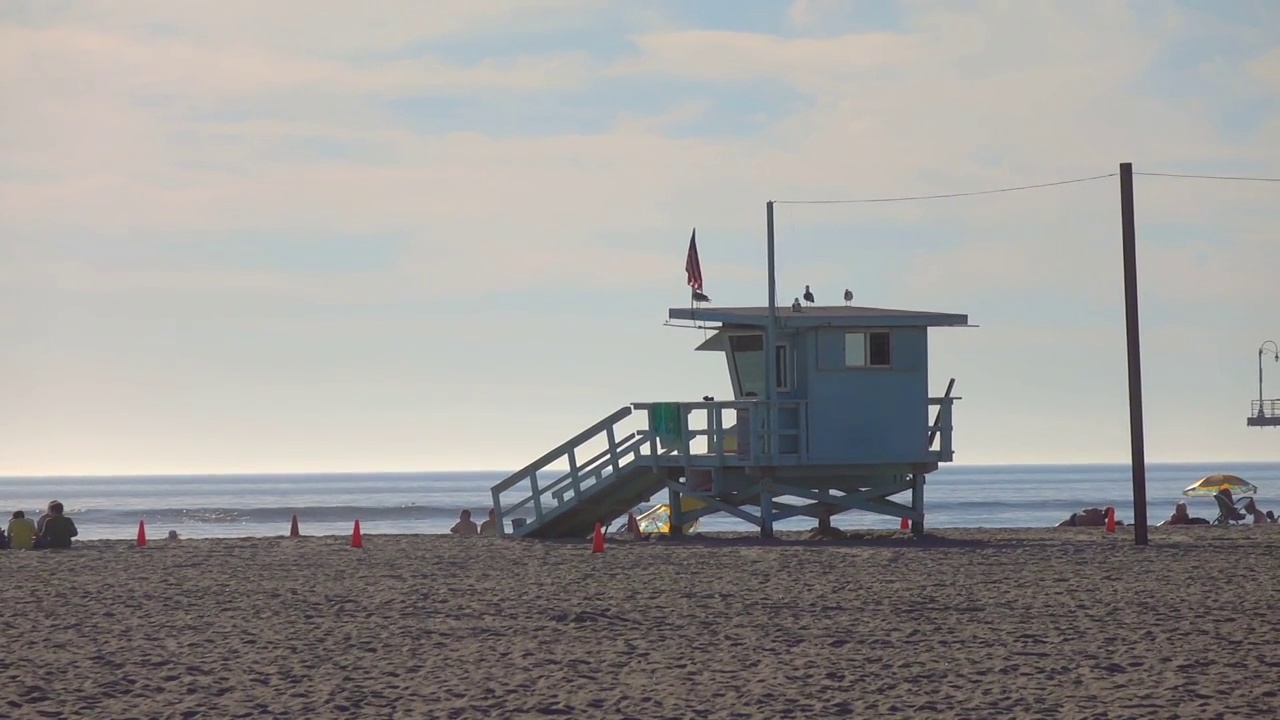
22	532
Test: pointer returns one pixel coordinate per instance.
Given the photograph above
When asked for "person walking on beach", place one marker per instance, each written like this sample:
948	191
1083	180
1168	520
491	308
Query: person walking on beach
464	526
22	532
58	528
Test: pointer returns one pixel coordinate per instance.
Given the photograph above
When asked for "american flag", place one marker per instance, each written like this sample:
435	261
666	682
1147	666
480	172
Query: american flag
693	268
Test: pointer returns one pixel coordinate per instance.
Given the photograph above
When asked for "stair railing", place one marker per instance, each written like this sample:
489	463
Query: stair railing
546	494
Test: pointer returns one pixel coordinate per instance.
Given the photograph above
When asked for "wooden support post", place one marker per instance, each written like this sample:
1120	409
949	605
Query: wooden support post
677	511
917	503
766	507
1134	342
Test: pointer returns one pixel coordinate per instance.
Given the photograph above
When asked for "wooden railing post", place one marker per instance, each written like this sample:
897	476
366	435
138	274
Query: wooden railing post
497	511
573	461
944	419
685	432
715	422
537	495
611	436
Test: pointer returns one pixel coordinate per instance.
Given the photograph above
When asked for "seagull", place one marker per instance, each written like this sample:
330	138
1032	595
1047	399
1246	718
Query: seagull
848	296
698	297
795	306
808	295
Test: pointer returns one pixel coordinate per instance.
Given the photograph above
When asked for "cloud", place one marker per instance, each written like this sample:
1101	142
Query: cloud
950	104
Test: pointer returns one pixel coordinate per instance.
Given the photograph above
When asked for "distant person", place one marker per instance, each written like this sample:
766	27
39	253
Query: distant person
490	526
58	528
464	526
1181	516
48	512
1251	509
1233	513
22	532
1088	517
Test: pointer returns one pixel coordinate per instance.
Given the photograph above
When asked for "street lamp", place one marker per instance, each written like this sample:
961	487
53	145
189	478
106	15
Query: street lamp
1268	346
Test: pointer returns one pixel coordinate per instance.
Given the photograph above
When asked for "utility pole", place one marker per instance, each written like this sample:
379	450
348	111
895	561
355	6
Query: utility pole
1136	440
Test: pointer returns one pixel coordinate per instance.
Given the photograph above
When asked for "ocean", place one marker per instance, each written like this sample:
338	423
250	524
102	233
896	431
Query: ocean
429	502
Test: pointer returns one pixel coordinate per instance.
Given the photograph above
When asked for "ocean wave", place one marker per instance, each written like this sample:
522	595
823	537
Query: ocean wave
269	515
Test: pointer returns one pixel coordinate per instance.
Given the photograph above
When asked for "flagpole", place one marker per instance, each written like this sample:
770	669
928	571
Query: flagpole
770	389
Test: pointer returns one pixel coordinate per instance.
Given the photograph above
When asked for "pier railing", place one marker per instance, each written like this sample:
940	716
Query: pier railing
1264	413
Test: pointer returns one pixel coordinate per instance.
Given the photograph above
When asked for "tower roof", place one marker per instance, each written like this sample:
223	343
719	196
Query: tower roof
821	316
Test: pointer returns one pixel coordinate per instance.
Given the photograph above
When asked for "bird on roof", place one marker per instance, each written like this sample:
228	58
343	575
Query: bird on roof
795	306
699	297
848	296
808	295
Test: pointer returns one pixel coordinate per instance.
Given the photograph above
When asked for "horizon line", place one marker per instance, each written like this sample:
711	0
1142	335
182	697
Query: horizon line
496	471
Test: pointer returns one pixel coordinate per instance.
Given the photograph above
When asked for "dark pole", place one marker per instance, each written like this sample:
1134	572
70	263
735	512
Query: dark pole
1136	442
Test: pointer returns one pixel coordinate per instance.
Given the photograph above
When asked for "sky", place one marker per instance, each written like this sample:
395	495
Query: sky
425	235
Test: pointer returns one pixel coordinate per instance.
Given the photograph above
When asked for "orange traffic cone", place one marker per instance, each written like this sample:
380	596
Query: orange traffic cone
597	540
142	534
1111	520
293	528
633	527
357	540
905	524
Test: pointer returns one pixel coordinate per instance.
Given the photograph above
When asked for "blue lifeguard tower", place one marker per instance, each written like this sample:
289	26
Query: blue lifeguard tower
831	412
835	416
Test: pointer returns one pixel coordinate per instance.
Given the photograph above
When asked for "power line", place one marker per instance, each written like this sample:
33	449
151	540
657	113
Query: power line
945	195
1209	177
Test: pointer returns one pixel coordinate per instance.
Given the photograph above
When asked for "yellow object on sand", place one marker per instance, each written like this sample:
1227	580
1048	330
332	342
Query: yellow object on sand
658	519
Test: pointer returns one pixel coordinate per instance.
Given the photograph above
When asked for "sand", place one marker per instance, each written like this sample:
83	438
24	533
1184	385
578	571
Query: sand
1062	623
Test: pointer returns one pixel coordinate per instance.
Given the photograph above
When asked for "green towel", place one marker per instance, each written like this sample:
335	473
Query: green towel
665	420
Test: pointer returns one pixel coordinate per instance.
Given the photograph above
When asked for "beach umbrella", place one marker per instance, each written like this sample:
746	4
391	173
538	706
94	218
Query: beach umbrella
1209	486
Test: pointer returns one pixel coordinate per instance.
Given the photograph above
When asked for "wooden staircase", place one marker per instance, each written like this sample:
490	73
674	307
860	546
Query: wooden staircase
600	488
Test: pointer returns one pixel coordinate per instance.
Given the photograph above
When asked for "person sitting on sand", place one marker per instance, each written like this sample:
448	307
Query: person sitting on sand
464	526
48	513
1251	509
490	526
1235	512
1181	516
1088	517
58	528
22	532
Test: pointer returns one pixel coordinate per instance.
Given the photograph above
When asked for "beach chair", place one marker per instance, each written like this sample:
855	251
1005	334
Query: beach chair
1228	513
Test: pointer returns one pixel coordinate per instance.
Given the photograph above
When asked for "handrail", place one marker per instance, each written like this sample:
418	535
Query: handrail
1264	408
563	449
941	427
761	437
588	467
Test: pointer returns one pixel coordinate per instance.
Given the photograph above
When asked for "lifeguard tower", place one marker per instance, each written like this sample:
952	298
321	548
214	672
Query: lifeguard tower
831	412
1262	412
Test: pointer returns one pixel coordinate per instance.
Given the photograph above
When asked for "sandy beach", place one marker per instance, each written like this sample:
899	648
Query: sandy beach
1067	623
